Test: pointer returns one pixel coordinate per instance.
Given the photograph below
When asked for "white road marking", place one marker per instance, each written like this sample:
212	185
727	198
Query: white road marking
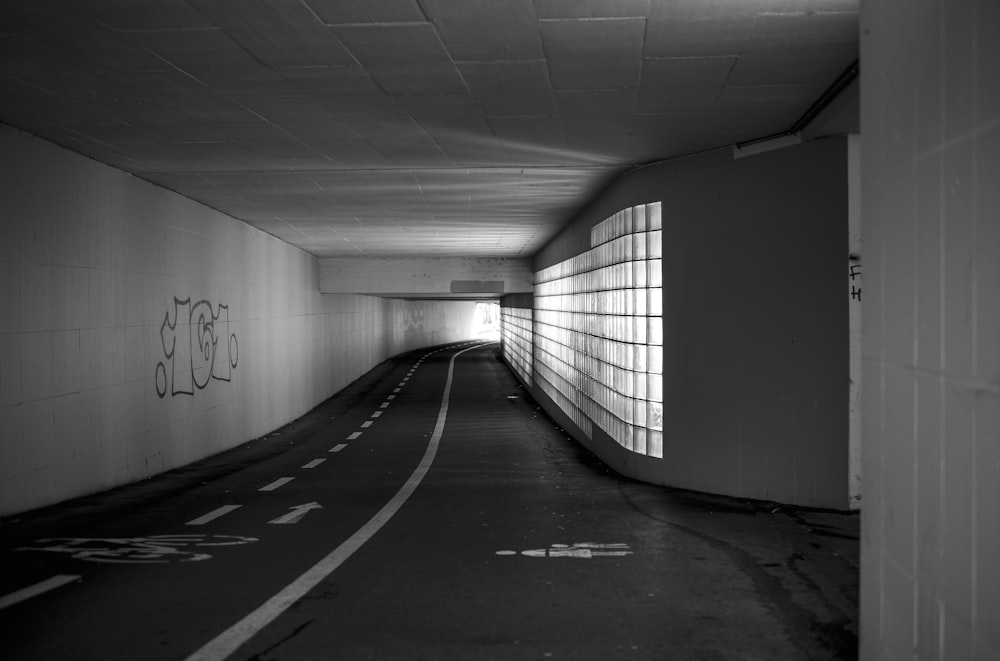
41	587
366	424
277	484
213	515
377	414
355	436
296	514
397	389
391	397
585	550
232	638
385	405
338	447
314	463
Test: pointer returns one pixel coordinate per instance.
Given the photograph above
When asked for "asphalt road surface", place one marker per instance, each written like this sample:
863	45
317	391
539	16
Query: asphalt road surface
429	511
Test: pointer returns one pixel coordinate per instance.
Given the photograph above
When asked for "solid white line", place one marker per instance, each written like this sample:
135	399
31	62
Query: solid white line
338	447
232	638
280	482
366	424
41	587
213	515
314	463
355	436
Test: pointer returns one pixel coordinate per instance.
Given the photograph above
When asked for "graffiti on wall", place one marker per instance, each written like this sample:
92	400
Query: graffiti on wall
197	348
413	320
854	273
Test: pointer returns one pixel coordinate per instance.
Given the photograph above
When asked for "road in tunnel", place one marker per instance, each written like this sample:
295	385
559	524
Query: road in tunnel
515	544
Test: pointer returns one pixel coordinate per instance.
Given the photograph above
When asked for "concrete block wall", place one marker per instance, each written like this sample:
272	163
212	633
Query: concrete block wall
140	331
756	342
930	144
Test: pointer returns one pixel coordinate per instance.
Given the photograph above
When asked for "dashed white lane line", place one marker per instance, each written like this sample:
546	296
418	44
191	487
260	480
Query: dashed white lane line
213	515
314	463
366	424
277	484
396	389
355	436
390	397
377	414
41	587
338	447
384	405
227	642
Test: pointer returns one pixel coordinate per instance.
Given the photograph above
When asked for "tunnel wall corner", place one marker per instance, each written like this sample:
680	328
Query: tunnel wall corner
755	322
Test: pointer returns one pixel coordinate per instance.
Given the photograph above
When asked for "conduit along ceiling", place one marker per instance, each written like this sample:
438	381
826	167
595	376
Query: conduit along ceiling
411	127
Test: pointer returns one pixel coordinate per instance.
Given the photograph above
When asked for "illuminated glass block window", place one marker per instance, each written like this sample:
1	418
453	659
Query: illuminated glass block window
515	337
598	331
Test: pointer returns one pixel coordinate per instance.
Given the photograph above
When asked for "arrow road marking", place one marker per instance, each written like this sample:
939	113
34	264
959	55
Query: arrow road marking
585	550
296	514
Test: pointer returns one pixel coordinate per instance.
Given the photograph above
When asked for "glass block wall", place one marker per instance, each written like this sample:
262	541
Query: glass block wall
598	331
516	338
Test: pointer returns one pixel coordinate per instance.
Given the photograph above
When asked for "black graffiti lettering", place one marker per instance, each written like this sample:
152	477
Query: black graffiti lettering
192	348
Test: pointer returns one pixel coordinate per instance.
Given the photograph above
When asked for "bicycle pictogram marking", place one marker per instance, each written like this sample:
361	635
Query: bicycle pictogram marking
154	549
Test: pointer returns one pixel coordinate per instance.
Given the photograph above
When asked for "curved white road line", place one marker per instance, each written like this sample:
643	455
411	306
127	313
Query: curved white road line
232	638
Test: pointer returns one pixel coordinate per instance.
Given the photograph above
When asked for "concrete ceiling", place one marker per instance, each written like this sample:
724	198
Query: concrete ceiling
411	127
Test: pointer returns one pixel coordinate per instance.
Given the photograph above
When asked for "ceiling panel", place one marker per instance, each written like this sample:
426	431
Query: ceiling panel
402	127
487	30
366	11
683	84
403	59
511	87
796	48
592	8
277	33
683	28
129	15
611	60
